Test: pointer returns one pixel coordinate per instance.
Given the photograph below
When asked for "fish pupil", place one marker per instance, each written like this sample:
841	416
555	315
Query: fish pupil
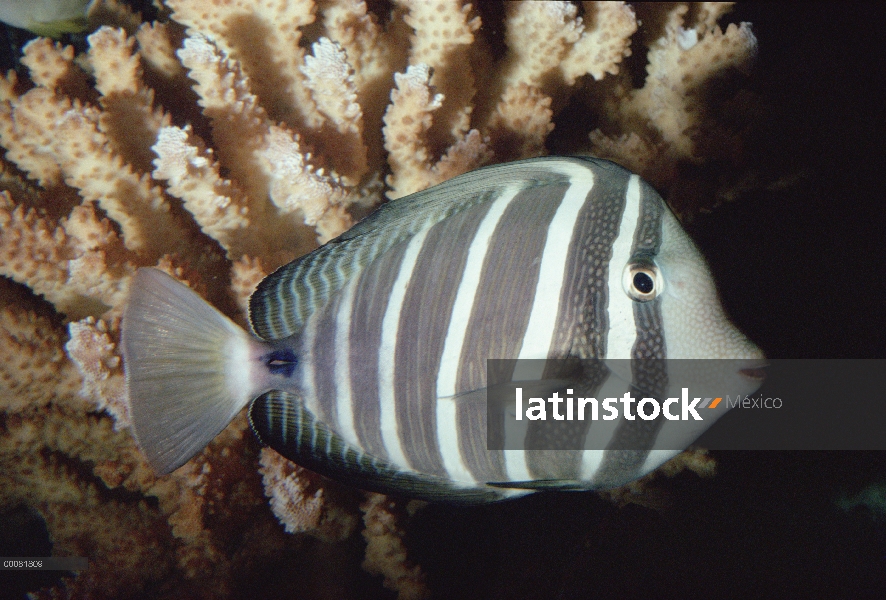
643	283
281	362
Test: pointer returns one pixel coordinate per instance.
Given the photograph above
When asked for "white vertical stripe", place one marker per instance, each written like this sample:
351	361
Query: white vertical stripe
552	272
622	329
447	419
387	400
447	438
344	409
516	467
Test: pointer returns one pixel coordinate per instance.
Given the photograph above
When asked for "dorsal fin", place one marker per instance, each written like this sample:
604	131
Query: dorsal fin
284	300
281	421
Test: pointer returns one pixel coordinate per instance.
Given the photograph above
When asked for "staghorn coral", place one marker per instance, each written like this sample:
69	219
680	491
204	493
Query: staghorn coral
221	141
385	550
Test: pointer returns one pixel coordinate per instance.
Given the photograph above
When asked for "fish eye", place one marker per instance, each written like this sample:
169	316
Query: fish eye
642	281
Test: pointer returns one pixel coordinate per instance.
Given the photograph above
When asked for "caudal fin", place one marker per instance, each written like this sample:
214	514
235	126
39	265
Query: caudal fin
187	369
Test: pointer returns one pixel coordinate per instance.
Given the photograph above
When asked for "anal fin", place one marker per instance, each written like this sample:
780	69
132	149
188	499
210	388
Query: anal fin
281	421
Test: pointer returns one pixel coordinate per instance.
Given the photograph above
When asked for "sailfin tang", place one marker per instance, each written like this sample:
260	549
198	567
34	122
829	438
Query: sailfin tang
187	369
281	421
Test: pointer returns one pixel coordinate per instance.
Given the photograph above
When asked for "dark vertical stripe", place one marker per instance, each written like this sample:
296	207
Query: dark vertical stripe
647	235
632	440
503	303
582	317
370	302
650	342
424	320
551	444
563	465
502	308
484	464
324	361
551	440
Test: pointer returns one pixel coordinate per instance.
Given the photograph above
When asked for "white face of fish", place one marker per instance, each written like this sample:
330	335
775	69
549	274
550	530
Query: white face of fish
695	324
704	350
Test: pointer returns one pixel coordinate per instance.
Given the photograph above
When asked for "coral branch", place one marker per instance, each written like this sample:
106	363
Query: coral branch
328	75
407	123
298	499
68	264
385	551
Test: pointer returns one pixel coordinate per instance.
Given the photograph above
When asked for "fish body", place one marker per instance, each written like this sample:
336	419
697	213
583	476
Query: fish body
368	362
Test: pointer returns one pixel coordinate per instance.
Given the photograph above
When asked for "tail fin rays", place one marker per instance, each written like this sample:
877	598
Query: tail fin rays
187	369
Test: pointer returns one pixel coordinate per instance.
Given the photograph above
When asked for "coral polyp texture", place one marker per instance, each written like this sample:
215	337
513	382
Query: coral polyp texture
226	138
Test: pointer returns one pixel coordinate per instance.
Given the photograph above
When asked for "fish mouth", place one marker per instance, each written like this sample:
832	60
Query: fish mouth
756	372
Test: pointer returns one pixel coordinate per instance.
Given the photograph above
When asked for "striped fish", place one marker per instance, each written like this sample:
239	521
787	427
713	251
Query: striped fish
368	362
